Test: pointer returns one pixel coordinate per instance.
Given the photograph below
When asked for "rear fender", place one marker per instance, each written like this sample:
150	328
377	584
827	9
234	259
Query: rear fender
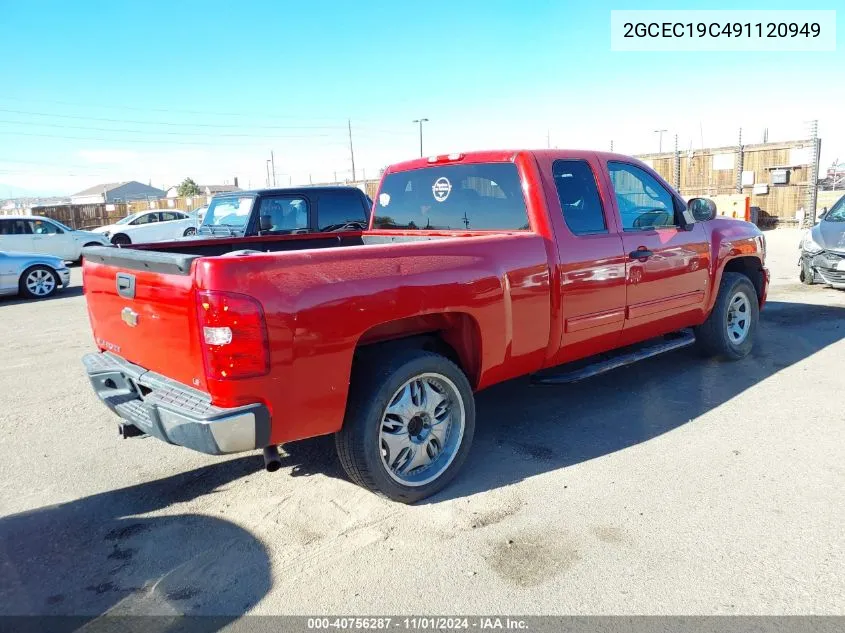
456	335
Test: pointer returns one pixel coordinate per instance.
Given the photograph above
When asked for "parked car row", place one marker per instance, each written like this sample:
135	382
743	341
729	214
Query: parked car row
34	249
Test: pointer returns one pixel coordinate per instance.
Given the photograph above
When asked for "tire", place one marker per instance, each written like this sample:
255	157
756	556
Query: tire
78	262
806	276
189	231
718	336
39	282
121	239
364	444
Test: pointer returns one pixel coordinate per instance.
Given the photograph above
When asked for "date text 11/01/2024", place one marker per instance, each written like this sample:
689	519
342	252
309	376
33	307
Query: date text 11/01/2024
717	29
417	623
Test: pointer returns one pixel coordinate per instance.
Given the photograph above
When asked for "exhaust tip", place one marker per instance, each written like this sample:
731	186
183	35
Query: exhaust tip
272	459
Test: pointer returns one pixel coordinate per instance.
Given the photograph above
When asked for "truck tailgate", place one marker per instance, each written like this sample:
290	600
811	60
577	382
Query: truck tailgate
142	307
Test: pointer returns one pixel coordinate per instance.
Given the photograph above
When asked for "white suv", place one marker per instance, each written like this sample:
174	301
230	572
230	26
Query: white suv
45	236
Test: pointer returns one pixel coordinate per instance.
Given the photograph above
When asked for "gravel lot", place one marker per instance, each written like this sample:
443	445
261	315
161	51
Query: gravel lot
675	486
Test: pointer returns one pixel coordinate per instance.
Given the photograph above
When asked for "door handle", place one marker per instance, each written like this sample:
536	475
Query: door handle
641	253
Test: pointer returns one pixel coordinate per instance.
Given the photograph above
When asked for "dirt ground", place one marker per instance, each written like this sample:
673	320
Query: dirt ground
675	486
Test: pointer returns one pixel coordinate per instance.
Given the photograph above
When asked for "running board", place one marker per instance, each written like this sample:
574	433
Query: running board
668	343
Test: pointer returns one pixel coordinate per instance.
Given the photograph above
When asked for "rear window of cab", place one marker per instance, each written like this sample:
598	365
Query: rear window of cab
474	197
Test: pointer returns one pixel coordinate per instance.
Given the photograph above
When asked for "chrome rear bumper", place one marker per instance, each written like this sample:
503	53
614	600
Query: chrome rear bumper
173	412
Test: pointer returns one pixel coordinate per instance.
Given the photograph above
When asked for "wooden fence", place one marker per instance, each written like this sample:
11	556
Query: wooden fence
83	216
715	172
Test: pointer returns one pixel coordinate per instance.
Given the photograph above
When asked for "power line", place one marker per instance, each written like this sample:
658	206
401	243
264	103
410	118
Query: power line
152	141
250	115
40	162
171	123
351	151
52	173
139	109
203	134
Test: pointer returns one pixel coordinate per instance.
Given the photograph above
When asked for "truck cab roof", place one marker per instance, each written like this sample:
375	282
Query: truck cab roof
314	189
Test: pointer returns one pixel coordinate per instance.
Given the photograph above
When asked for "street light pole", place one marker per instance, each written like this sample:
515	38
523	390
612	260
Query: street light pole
660	132
420	121
268	172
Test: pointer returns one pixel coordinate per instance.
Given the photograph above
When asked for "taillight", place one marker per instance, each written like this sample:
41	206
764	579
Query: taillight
233	335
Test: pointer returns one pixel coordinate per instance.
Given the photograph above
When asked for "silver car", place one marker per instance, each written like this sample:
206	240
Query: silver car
32	275
823	249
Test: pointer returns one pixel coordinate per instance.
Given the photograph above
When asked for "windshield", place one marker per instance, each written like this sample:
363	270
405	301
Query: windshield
837	212
128	219
228	212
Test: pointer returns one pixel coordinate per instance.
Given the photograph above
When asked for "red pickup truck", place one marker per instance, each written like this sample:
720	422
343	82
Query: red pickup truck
475	268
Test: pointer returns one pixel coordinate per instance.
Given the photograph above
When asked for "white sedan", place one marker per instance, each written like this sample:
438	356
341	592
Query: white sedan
149	226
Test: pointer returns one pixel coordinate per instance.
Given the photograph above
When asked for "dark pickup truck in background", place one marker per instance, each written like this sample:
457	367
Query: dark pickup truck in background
474	269
285	211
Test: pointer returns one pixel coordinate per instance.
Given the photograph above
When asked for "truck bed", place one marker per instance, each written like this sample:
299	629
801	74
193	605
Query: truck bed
319	305
176	257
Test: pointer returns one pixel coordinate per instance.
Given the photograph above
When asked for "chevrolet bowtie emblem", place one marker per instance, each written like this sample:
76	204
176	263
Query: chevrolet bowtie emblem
129	316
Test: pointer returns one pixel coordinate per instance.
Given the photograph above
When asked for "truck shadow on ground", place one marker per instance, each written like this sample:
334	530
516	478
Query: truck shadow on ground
524	430
99	554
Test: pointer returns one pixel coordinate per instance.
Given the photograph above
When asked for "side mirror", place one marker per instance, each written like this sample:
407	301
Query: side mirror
265	223
702	209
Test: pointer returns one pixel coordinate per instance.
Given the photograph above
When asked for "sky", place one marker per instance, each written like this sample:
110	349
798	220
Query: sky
94	92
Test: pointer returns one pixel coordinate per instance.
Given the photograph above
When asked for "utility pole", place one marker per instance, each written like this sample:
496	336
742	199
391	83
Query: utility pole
351	152
267	165
611	145
812	190
420	121
676	166
660	133
548	139
273	165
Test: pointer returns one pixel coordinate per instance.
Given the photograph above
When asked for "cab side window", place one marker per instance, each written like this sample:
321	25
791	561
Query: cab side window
286	214
579	197
146	219
40	227
15	227
337	208
643	202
